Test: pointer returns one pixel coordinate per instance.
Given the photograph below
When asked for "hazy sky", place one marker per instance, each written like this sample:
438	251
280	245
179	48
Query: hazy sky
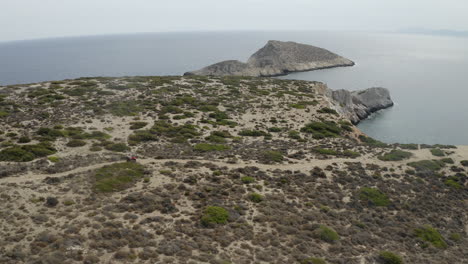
29	19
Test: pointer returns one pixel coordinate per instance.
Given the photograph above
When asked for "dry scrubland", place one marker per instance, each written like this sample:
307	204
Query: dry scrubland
230	170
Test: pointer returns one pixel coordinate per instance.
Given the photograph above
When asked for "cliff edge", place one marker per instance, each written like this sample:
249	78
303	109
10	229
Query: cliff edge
277	58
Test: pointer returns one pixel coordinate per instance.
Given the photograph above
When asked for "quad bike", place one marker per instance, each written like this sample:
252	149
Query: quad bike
131	158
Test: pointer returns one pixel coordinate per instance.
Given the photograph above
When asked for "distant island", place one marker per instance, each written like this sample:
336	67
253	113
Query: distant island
277	58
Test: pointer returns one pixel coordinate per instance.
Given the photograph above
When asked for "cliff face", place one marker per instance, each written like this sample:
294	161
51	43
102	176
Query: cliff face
277	58
358	105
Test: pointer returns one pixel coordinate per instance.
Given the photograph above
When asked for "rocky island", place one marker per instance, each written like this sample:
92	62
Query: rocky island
277	58
228	170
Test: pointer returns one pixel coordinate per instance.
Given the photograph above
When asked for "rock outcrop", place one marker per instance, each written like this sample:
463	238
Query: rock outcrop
277	58
358	105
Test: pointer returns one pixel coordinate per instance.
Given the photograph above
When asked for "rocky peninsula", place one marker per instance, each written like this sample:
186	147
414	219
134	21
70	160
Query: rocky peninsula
277	58
280	58
229	170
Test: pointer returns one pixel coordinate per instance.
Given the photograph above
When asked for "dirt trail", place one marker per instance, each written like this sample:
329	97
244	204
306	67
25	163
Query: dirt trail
460	153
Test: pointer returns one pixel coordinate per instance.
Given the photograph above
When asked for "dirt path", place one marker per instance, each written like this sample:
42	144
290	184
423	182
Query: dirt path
460	154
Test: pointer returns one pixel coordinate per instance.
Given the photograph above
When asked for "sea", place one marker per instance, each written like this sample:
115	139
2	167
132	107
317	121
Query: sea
427	75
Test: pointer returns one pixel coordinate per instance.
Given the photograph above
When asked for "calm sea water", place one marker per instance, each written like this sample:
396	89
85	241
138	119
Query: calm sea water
427	75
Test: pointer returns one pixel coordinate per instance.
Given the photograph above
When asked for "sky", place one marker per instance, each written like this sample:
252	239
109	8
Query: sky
32	19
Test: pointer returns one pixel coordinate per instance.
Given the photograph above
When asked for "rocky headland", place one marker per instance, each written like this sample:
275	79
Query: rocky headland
229	170
280	58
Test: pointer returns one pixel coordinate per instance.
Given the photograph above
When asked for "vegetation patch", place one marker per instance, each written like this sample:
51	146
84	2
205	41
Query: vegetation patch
327	110
431	235
396	155
253	133
327	234
205	147
271	156
373	197
26	153
313	261
427	165
117	177
214	215
161	128
247	179
74	143
322	129
387	257
137	125
117	147
255	197
372	142
437	152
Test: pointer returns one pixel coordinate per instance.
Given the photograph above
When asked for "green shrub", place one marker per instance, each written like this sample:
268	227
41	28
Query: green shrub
455	237
205	147
24	139
448	160
272	156
427	165
437	152
453	182
247	179
396	155
256	197
253	133
387	257
373	197
351	154
125	108
322	129
274	129
409	146
294	134
137	125
313	261
53	159
372	142
326	151
464	163
117	147
327	110
76	143
214	215
118	176
162	128
25	153
431	235
327	234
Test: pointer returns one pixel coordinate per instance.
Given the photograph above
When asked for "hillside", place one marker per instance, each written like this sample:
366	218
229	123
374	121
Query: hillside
229	170
277	58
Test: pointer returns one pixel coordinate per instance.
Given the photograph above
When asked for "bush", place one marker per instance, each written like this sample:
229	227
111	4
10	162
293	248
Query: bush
313	261
247	179
205	147
272	156
214	215
26	152
427	165
76	143
256	197
396	155
327	234
253	133
464	163
431	235
372	142
327	110
326	151
163	129
137	125
117	177
387	257
322	129
453	182
24	139
117	147
53	159
437	152
373	197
